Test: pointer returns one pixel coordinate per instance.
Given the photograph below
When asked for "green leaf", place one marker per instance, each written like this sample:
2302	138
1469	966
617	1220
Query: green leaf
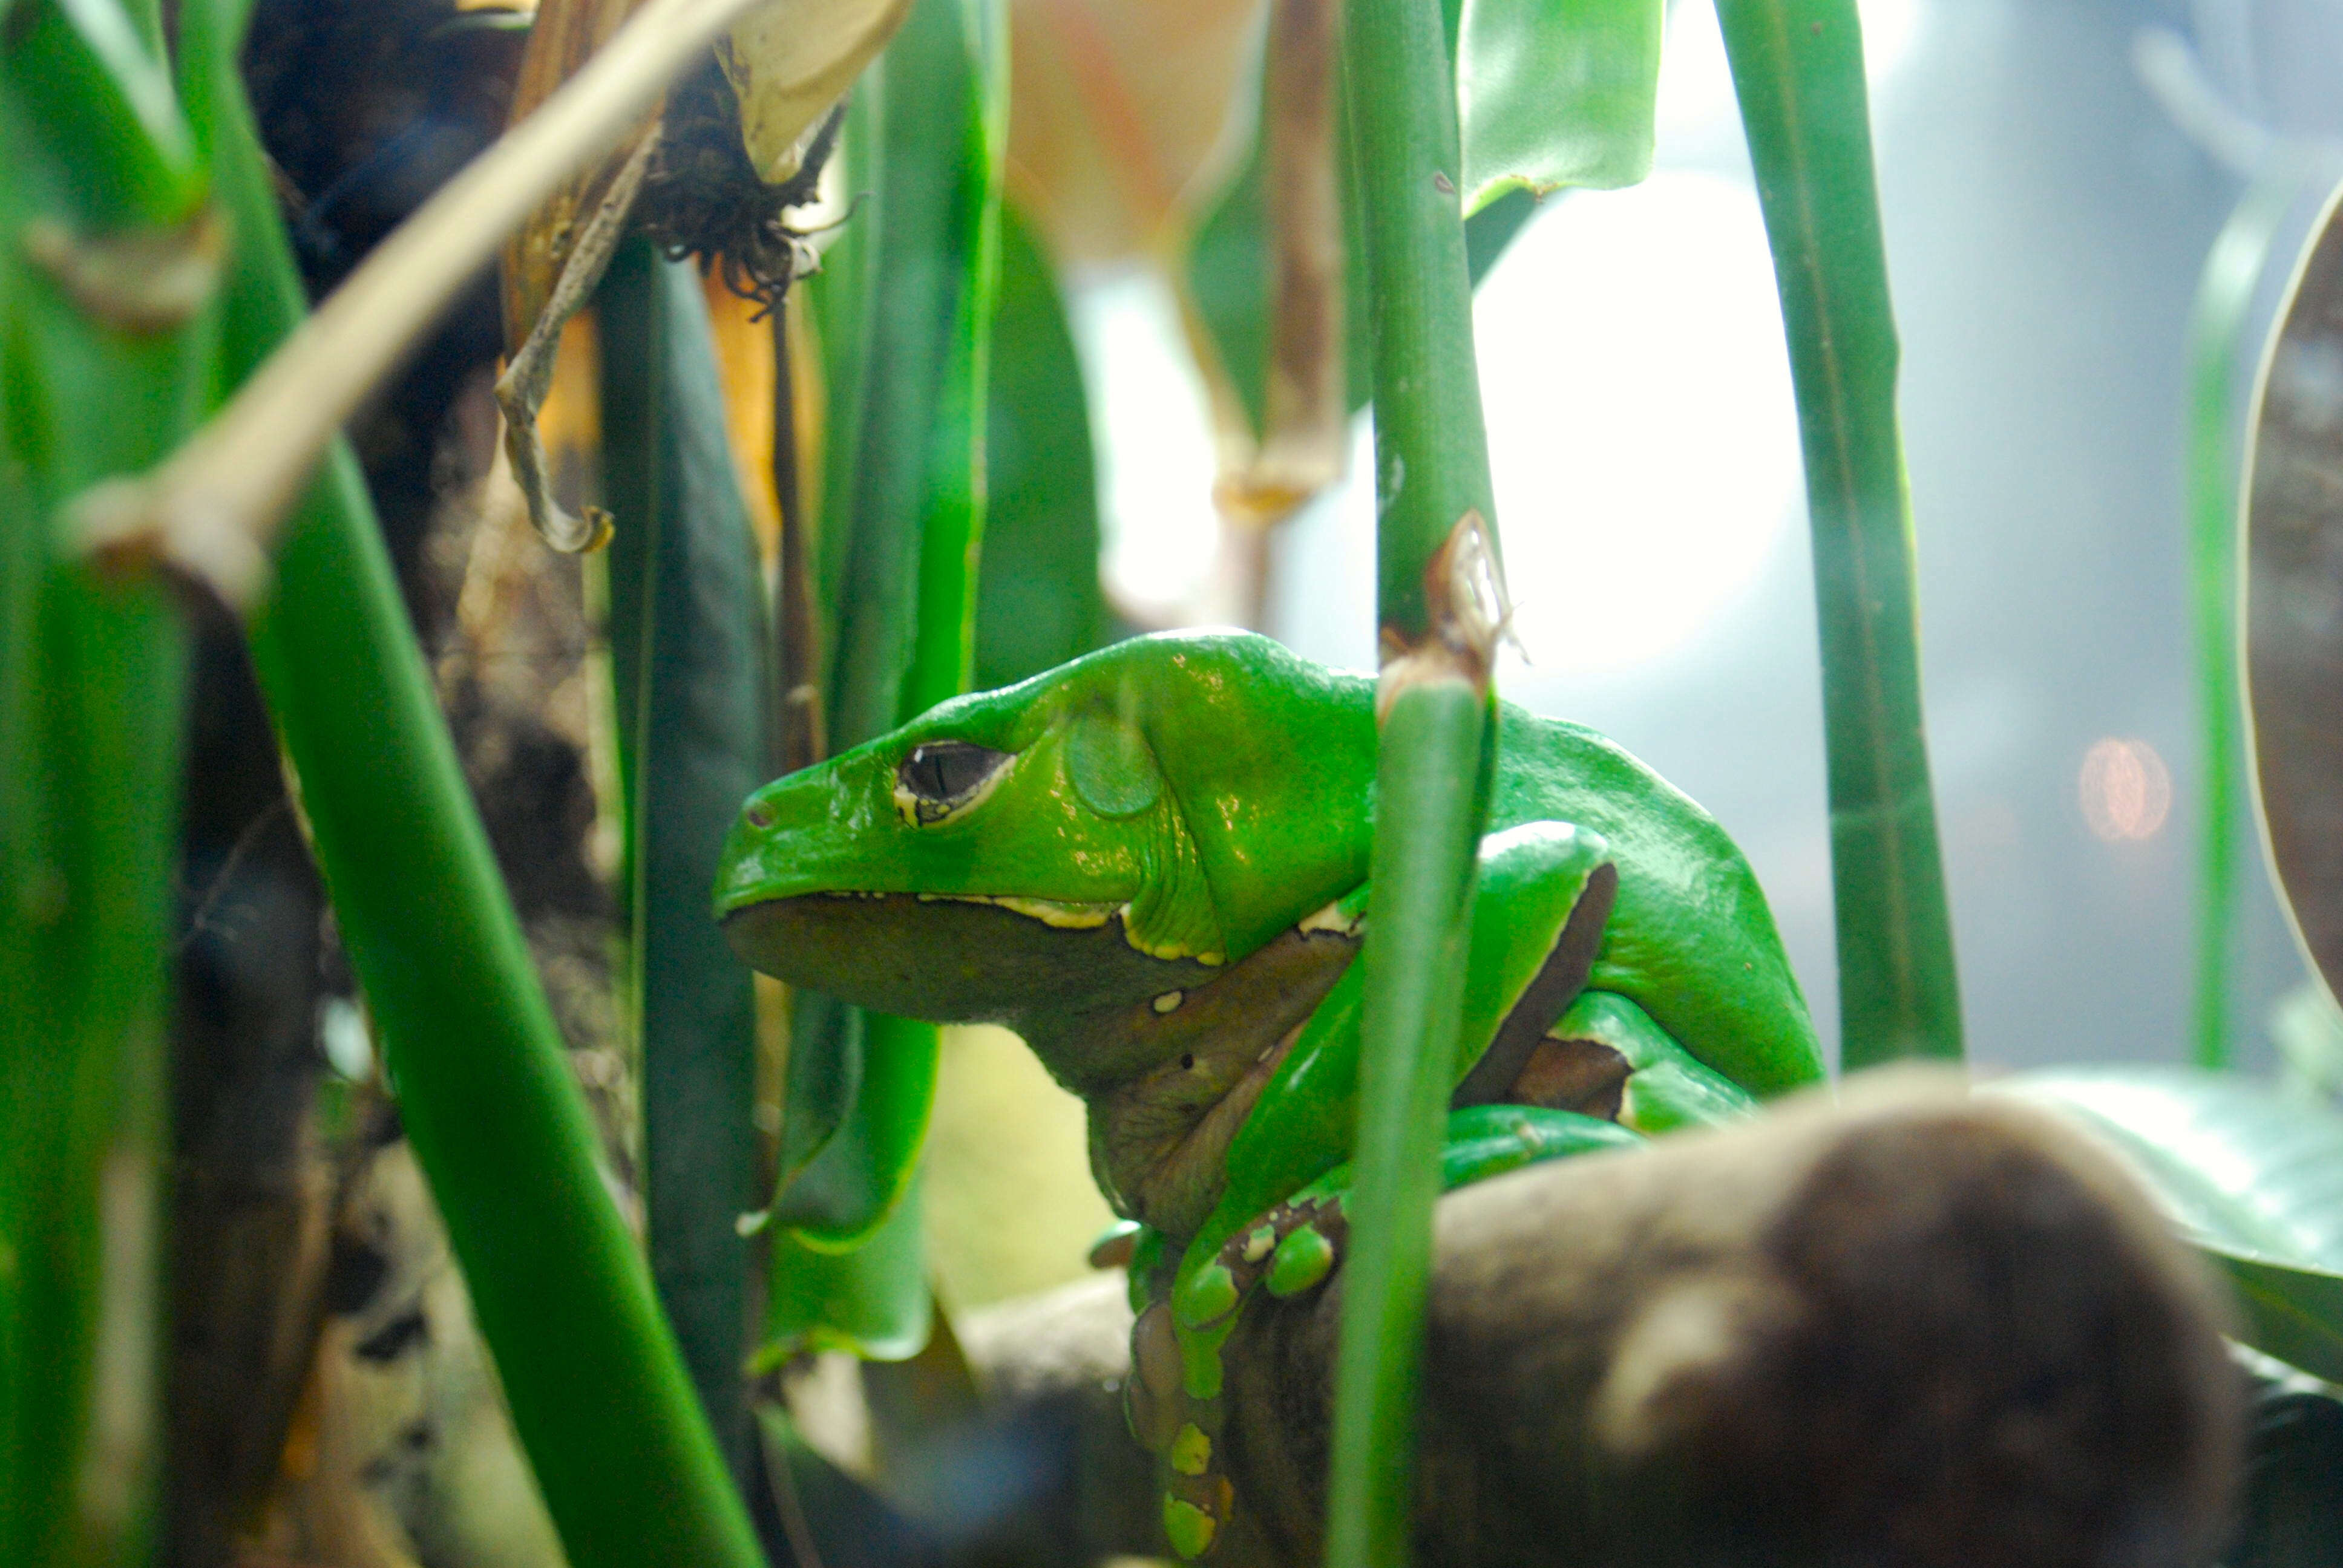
694	711
928	216
871	1299
848	1189
838	312
2254	1180
1038	599
2291	1515
87	92
931	116
1556	95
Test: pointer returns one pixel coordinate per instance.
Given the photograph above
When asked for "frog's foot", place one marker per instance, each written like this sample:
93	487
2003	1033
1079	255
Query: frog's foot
1179	1429
1174	1393
1173	1398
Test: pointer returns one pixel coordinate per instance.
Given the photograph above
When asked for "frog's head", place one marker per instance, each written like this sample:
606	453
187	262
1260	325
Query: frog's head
1149	811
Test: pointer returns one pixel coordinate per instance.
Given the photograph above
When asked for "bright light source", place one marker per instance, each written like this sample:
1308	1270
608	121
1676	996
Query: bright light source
1696	83
2124	790
1153	439
1643	438
1888	29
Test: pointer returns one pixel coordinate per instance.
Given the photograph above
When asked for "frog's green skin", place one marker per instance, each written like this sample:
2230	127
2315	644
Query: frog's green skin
1150	863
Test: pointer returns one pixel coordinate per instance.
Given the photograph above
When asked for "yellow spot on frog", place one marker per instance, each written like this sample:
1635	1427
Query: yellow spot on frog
1168	1001
1189	1526
1191	1451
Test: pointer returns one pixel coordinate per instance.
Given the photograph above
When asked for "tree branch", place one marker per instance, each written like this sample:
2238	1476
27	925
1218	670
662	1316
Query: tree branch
1915	1329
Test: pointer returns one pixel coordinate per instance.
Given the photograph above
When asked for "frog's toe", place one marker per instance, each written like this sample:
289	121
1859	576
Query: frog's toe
1152	1395
1289	1250
1209	1294
1194	1508
1301	1263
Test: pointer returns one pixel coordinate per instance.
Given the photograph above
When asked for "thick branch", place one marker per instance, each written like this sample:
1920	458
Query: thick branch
1919	1329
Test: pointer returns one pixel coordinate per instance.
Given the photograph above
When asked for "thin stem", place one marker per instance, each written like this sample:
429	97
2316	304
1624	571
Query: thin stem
1432	460
1437	622
213	507
2232	269
1797	67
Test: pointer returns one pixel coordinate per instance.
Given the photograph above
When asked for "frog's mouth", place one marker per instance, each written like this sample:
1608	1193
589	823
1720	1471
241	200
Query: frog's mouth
954	960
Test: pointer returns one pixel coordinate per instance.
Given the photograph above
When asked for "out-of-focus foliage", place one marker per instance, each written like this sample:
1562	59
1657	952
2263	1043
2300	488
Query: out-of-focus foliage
902	526
688	640
109	263
1038	601
1555	95
2253	1179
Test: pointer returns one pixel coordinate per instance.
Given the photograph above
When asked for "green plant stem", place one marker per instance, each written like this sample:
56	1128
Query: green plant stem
1797	69
1432	455
1432	474
694	717
597	1391
1422	871
93	152
2224	293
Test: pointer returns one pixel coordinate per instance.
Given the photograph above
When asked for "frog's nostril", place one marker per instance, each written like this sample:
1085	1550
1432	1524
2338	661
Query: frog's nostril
760	817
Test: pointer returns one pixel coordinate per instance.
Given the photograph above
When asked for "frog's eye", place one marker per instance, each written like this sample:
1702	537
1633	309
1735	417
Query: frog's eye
944	778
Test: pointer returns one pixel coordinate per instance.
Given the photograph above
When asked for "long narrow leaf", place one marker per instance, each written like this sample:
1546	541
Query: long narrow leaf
1797	69
693	706
905	635
597	1390
1038	601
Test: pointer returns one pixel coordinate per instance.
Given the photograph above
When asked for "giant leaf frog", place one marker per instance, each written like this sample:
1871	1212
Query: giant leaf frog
1150	863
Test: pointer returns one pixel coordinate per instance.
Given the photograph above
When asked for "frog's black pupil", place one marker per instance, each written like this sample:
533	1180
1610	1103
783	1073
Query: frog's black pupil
949	769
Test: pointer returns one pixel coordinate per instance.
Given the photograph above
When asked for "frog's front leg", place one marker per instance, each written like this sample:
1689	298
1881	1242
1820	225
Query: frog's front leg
1543	893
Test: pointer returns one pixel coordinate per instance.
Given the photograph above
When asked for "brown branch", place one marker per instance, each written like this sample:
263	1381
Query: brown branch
1919	1329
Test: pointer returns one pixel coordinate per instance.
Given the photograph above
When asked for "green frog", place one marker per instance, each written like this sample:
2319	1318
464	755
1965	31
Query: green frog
1150	862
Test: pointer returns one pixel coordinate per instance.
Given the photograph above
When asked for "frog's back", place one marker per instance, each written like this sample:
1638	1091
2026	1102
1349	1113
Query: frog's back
1691	939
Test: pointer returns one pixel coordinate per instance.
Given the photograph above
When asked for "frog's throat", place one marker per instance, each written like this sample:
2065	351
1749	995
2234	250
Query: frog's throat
962	961
1186	1076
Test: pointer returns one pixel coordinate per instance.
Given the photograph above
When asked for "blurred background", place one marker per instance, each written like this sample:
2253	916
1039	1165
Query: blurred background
2048	216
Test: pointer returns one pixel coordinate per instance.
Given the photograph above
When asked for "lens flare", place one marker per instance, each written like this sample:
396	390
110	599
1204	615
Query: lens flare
2124	790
